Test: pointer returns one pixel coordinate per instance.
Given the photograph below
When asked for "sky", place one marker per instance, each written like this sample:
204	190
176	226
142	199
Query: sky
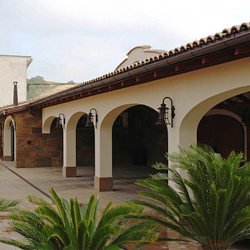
83	39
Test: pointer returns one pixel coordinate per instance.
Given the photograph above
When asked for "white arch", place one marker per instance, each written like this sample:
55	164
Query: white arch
7	138
103	148
69	145
189	124
224	112
47	124
193	93
187	131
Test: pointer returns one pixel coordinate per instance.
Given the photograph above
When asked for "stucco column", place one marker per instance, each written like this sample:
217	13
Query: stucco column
183	137
69	152
103	180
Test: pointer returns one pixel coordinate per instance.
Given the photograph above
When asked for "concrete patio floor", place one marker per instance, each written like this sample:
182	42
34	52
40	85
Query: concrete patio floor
18	183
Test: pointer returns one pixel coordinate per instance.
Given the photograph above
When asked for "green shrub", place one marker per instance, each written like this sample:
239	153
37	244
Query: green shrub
66	225
211	206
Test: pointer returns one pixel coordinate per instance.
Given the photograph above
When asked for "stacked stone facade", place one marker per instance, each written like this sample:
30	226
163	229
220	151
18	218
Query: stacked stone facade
138	143
32	148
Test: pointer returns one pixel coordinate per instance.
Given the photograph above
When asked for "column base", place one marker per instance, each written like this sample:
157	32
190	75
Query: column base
7	158
103	183
69	172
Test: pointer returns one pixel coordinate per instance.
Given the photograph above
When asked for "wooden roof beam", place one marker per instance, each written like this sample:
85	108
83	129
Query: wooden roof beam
243	98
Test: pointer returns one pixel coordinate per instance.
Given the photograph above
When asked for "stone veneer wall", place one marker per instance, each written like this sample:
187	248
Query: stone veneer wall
34	149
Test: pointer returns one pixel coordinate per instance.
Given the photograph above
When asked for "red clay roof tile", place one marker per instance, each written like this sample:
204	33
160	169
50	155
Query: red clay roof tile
244	27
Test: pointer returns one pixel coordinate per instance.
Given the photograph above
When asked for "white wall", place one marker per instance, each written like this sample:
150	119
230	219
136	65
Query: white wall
13	68
193	94
137	54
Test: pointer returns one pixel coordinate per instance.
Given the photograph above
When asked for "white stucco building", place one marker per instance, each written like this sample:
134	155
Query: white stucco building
138	54
13	68
205	85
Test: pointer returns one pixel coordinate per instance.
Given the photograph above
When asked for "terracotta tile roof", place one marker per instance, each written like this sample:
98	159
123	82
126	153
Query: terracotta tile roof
23	104
163	55
182	49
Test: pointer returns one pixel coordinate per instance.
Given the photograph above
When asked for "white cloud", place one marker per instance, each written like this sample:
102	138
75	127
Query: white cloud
81	39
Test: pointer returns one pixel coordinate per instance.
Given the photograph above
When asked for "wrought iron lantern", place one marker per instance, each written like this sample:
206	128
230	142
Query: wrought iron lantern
163	113
90	122
60	121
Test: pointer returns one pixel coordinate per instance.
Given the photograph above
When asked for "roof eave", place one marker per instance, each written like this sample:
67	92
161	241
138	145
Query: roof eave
224	43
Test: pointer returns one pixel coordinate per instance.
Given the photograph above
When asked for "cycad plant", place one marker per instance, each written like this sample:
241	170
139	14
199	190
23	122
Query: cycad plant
211	206
6	205
66	225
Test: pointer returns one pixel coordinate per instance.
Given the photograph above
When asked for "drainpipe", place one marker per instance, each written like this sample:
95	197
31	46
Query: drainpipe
15	97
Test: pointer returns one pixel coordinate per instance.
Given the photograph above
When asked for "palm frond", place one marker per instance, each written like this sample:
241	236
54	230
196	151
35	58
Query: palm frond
60	207
20	244
37	200
50	214
6	205
143	232
212	203
59	233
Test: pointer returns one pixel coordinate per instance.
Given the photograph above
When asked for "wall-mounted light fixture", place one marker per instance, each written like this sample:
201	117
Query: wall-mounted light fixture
163	117
90	119
60	122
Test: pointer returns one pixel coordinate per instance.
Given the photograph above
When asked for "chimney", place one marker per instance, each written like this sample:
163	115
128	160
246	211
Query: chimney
15	97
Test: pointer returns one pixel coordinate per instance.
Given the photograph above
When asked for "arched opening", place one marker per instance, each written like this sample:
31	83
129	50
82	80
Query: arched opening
46	127
52	144
56	137
189	123
85	148
137	143
103	180
78	146
221	132
9	139
12	142
225	127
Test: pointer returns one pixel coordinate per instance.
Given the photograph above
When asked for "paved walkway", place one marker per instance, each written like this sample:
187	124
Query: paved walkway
18	183
37	181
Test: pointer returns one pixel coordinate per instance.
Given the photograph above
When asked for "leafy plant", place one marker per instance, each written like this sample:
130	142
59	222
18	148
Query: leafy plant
211	206
71	227
6	205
